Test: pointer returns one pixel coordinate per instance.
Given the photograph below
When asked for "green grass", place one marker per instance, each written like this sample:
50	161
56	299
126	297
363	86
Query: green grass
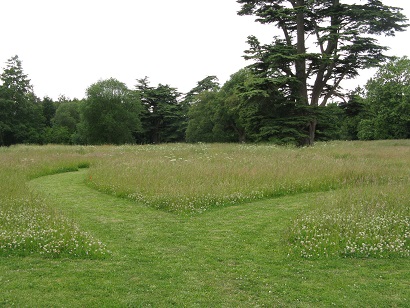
30	226
245	255
187	178
372	221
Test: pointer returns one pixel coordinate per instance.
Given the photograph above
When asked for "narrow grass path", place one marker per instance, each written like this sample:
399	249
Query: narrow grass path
231	257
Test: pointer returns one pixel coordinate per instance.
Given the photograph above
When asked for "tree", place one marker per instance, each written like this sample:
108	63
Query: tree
354	110
388	102
206	116
322	43
6	125
258	111
203	125
330	119
21	118
209	83
49	110
14	80
111	113
65	122
164	115
246	108
236	111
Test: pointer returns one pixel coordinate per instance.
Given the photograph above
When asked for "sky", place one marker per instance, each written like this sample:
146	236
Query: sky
67	45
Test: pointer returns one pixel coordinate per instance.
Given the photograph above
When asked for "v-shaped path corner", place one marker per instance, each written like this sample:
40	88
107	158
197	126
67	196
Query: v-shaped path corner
123	225
116	221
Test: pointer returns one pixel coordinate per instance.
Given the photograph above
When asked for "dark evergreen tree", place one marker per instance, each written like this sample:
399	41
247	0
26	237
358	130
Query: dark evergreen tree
259	111
209	83
164	116
322	43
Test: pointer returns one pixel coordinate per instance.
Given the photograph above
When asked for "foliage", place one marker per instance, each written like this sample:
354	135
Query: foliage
164	116
49	110
331	119
354	111
20	113
111	113
65	122
215	114
208	120
266	114
209	83
246	108
388	102
254	105
322	43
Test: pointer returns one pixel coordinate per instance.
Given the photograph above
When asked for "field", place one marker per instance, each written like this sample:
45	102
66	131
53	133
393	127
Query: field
206	225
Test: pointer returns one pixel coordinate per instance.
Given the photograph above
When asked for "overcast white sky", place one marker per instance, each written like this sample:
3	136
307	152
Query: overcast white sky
67	45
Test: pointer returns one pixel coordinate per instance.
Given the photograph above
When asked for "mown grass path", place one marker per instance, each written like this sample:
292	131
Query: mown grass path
230	257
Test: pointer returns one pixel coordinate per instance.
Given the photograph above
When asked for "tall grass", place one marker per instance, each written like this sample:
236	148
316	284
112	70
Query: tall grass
371	221
194	178
28	225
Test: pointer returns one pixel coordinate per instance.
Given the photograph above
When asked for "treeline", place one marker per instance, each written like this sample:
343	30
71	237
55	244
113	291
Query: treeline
247	108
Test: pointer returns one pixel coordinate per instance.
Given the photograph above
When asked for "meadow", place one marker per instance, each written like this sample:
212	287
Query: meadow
221	225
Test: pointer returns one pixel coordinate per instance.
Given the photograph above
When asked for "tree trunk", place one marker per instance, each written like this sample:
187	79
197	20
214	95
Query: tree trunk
312	131
240	132
242	137
300	66
309	140
300	63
